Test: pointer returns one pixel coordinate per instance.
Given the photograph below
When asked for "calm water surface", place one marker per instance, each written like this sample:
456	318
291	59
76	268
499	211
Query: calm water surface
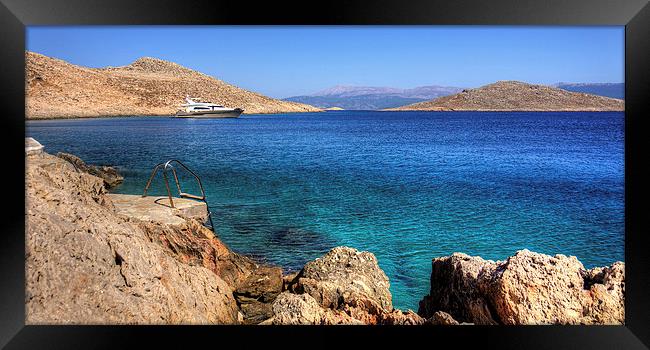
407	186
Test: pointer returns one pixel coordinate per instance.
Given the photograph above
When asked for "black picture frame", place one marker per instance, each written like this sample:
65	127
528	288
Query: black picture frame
15	15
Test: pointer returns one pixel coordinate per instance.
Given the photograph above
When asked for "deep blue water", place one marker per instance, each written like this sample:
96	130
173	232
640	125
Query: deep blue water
407	186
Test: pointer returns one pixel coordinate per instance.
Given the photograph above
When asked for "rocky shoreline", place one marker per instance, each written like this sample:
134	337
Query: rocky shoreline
88	264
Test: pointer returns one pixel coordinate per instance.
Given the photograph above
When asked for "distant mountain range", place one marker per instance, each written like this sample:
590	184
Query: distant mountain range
518	96
613	90
372	98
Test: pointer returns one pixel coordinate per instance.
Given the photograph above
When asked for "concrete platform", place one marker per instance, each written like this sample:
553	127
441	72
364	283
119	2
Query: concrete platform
158	209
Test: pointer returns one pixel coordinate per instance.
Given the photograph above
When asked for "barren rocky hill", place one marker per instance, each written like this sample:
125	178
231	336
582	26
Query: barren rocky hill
148	86
517	96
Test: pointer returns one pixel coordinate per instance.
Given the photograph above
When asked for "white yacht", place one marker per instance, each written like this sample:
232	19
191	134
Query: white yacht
194	109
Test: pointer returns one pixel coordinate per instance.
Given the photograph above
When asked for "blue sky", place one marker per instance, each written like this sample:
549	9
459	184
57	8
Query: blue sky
287	61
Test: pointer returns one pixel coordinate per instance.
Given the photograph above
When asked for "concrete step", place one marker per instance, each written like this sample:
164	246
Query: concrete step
155	208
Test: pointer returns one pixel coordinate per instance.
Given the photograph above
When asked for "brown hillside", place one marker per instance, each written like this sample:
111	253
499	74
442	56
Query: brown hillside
517	96
148	86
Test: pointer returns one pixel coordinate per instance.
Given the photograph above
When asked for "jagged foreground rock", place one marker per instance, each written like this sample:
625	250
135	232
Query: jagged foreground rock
527	288
108	174
517	96
86	265
342	276
257	293
148	86
344	286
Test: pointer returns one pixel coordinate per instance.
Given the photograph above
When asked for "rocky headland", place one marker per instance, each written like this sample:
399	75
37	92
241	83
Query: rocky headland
107	173
517	96
89	263
149	86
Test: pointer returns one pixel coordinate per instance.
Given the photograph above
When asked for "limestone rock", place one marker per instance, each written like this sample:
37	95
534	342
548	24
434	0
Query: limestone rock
296	309
267	322
87	265
442	318
255	312
263	285
288	280
303	309
526	288
455	290
108	174
532	288
401	318
605	303
344	275
258	291
194	244
336	317
347	286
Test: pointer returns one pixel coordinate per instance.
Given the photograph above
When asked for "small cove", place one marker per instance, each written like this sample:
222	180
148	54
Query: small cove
406	186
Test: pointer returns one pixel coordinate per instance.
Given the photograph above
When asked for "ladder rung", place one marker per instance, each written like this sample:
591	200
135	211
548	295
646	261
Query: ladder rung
167	165
188	195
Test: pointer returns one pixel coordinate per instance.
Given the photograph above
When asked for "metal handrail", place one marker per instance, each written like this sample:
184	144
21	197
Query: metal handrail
167	166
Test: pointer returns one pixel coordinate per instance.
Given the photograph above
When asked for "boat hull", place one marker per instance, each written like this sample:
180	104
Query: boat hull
235	113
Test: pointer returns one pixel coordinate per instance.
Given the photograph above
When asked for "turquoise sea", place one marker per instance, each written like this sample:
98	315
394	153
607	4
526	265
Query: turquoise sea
406	186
